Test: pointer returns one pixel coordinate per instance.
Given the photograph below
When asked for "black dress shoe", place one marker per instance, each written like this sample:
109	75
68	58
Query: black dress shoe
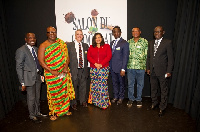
161	113
119	101
74	107
36	120
113	100
84	104
152	107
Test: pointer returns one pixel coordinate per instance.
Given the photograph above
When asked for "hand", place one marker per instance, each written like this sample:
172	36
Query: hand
148	72
98	66
66	70
55	73
42	78
168	75
23	88
122	73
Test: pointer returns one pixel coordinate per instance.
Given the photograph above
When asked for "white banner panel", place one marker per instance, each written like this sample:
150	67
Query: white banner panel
91	16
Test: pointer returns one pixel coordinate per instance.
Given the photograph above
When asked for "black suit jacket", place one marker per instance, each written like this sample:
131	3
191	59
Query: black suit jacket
163	60
73	65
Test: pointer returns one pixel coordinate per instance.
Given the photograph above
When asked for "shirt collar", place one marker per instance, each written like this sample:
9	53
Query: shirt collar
30	47
76	42
159	40
117	39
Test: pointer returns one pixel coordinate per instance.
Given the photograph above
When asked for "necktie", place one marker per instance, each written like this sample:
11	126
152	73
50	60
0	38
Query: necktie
80	57
155	47
36	60
114	45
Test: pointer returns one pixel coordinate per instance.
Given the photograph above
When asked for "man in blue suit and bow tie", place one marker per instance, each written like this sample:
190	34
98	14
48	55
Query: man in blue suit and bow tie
118	64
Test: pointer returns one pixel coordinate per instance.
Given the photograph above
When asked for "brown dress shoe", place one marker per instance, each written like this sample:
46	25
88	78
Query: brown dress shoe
74	107
152	107
36	120
119	101
161	113
84	104
113	100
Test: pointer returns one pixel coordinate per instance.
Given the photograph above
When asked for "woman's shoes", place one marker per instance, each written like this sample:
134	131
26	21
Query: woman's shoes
69	113
53	118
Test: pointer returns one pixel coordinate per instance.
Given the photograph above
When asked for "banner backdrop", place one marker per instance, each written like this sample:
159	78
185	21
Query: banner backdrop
91	16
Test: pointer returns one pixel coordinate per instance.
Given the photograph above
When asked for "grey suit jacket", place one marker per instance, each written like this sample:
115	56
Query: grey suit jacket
25	66
163	60
73	65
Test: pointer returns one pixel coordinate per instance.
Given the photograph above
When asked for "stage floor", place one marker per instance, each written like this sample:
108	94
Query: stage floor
116	118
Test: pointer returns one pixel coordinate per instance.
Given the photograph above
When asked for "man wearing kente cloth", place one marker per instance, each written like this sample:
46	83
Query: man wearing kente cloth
53	57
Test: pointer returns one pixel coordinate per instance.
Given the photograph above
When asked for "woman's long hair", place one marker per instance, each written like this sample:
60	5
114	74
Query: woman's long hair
94	44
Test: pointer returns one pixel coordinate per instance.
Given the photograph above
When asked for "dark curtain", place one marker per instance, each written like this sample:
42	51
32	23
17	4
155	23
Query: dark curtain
8	92
185	84
16	19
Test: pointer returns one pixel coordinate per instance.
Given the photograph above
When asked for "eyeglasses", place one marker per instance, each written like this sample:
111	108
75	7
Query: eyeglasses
51	32
158	31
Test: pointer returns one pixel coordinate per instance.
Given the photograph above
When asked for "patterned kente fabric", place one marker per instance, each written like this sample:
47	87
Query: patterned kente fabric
59	91
98	94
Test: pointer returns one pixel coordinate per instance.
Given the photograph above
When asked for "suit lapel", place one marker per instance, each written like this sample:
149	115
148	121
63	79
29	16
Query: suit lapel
28	51
73	49
118	43
29	54
162	43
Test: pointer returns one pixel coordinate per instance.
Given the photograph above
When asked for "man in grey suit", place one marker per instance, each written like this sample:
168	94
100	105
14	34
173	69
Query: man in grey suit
28	71
78	67
159	66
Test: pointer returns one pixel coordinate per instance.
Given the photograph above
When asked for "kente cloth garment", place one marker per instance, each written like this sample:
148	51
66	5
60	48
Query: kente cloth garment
98	94
59	90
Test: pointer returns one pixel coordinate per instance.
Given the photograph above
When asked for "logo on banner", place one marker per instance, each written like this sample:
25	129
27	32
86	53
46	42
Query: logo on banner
90	25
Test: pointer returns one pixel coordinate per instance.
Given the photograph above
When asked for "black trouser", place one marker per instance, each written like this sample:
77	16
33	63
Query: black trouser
156	82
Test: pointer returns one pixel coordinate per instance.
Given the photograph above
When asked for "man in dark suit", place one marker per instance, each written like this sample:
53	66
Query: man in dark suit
28	71
118	64
159	66
78	68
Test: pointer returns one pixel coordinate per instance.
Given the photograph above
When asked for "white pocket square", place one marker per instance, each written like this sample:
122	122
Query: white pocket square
118	48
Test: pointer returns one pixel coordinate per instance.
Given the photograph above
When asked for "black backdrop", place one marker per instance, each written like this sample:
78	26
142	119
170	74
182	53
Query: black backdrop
20	17
35	16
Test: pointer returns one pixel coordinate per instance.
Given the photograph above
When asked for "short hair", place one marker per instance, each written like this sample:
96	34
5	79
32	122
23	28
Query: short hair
94	44
136	27
52	27
78	30
26	35
160	27
117	27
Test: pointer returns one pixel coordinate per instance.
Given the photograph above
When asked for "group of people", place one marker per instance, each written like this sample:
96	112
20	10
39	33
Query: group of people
66	70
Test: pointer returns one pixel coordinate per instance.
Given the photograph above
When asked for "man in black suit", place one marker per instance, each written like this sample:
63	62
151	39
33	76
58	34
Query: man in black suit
78	68
28	71
159	66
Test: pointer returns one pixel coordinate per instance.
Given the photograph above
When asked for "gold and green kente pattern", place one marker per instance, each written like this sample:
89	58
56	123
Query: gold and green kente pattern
59	91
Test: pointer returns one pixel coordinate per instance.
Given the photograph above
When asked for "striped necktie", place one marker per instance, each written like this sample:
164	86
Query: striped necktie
80	57
36	60
155	47
114	45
